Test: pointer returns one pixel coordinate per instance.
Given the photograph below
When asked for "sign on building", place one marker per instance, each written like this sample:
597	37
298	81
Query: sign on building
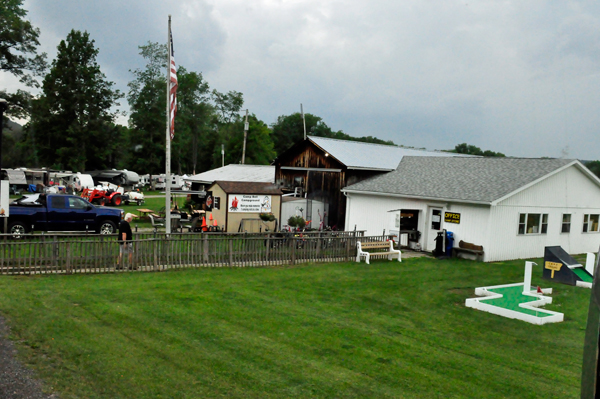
249	203
451	217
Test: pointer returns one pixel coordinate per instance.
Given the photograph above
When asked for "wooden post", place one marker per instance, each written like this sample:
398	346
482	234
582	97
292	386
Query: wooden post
68	253
230	241
591	345
293	250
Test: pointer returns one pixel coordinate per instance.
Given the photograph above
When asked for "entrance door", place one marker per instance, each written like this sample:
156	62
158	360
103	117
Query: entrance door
434	226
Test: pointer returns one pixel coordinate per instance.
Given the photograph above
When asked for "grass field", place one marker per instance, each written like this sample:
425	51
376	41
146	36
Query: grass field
345	330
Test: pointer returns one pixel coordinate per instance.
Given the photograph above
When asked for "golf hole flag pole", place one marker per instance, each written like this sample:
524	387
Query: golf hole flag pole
171	111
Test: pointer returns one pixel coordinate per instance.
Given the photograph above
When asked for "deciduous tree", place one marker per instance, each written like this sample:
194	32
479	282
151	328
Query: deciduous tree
72	123
18	43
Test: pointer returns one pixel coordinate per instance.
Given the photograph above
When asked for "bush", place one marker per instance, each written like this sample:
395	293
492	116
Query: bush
296	221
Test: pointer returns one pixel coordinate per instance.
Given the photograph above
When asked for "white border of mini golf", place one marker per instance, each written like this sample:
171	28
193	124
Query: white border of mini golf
550	316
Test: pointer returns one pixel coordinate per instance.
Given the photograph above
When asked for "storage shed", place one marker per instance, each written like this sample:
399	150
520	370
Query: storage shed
513	207
238	205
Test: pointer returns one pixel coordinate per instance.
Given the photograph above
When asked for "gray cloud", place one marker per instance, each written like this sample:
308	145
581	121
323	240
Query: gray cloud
511	76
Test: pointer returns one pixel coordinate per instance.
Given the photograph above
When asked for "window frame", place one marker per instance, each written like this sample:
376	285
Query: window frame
525	222
587	220
564	224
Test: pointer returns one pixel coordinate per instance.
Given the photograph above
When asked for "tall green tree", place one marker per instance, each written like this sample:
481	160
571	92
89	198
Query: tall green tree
259	145
147	119
193	122
289	129
18	43
228	106
71	123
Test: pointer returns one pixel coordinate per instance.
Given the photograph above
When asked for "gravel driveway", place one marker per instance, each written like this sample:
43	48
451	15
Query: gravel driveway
16	381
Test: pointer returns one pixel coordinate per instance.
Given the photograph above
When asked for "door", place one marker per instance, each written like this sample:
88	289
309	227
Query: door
434	226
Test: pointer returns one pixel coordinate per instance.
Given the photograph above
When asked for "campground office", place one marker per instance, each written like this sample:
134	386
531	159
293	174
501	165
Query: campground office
513	207
237	205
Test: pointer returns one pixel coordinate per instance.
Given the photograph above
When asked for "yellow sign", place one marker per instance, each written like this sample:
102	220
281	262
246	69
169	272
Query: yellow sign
554	266
450	217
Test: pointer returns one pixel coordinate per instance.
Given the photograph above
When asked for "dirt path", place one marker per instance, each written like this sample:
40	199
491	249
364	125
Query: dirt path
16	381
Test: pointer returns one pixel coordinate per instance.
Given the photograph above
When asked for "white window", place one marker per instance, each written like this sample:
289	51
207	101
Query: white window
533	223
566	223
590	223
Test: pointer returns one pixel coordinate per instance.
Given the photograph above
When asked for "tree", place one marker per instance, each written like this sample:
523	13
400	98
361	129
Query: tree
288	130
465	148
194	114
71	123
259	146
18	43
147	102
228	105
594	167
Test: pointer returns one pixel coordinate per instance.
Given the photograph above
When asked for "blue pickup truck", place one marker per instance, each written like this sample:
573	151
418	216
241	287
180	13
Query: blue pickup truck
59	212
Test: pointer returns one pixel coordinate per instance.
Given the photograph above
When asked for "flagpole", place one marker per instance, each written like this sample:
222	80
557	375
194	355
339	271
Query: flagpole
168	139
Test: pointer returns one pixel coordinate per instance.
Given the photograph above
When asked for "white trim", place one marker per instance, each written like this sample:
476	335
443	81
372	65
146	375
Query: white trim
526	186
440	200
475	303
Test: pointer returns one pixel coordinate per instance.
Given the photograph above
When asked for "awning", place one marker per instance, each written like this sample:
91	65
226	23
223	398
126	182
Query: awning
16	176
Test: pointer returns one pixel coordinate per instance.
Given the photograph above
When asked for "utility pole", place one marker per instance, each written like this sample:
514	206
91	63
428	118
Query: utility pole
246	125
303	120
3	107
222	154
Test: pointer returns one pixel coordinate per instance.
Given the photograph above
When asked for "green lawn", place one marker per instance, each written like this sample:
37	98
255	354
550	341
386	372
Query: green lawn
345	330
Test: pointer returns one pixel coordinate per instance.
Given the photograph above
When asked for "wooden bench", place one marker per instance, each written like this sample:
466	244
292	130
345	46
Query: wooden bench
471	250
378	246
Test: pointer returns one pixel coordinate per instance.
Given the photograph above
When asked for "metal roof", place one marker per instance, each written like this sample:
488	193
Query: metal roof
237	187
479	180
359	155
235	172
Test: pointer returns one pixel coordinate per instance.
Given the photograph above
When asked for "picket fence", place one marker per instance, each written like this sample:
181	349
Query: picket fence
64	254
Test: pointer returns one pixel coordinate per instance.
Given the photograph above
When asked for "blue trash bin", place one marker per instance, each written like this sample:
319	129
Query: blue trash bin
449	243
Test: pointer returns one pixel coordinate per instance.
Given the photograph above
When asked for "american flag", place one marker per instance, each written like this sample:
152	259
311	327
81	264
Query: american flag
172	89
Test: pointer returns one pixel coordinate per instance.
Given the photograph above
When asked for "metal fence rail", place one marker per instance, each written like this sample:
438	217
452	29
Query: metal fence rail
153	252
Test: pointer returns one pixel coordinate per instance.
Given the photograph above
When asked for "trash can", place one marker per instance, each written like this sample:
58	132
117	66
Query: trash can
449	243
439	245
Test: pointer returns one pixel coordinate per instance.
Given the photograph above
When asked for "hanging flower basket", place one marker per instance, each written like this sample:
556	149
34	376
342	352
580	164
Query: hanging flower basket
267	217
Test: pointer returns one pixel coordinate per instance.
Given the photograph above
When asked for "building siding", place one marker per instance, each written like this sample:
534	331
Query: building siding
496	227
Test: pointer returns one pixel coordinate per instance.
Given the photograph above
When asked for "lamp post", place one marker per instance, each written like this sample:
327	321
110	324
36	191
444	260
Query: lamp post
3	107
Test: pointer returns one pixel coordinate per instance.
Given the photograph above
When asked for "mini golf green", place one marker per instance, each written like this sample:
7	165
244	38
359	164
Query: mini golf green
583	274
511	298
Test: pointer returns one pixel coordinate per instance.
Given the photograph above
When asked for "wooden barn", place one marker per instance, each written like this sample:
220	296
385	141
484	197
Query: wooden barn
319	168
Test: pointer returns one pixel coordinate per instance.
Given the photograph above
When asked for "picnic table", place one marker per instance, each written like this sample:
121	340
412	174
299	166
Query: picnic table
145	212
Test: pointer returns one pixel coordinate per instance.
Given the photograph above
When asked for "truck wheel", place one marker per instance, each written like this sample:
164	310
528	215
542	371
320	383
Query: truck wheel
17	229
116	200
107	227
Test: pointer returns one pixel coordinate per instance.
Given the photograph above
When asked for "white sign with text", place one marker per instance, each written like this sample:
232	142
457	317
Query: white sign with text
249	203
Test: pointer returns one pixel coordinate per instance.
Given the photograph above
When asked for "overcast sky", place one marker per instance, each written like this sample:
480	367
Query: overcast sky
519	77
